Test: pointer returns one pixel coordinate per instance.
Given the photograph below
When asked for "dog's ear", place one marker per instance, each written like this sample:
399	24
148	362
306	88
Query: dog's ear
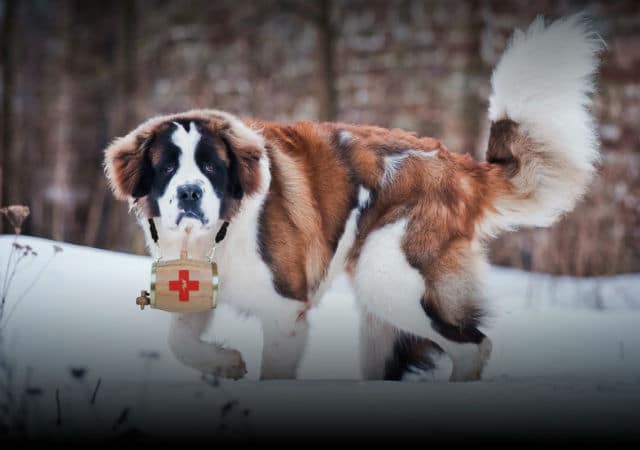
128	166
244	150
234	185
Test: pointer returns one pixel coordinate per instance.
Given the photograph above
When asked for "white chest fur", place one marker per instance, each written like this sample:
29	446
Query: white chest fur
245	280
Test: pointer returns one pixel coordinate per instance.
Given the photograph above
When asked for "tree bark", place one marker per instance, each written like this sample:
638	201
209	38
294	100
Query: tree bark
61	199
100	226
7	42
327	95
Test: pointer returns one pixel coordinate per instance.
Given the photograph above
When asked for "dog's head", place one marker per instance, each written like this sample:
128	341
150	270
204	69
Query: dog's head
190	169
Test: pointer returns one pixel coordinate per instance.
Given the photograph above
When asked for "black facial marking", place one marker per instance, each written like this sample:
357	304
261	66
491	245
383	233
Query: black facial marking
212	167
167	165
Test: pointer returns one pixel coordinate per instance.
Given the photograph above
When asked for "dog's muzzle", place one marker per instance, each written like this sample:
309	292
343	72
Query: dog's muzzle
189	200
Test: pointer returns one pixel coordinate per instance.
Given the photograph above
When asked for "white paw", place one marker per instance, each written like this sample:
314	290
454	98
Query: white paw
231	365
485	350
468	365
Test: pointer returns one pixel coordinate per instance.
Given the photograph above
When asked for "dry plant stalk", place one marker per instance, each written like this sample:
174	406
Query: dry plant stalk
16	214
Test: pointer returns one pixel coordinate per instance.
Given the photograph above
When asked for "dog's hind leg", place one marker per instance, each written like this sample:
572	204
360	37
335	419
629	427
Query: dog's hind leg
388	353
376	346
187	346
389	288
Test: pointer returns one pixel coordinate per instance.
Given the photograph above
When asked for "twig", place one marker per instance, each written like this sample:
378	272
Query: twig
9	280
58	409
26	291
28	263
6	275
95	392
7	400
122	418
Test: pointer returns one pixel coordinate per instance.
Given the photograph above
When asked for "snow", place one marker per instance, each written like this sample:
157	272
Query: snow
566	359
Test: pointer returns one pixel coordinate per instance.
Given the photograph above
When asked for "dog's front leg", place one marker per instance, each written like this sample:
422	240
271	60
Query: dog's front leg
285	338
191	350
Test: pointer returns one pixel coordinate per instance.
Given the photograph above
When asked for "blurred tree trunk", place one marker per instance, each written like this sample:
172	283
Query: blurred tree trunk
8	35
61	193
327	95
100	225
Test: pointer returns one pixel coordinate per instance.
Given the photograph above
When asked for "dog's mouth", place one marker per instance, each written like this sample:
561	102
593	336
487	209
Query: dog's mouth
198	215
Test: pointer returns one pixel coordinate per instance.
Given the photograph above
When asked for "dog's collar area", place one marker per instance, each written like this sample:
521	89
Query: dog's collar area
220	235
222	232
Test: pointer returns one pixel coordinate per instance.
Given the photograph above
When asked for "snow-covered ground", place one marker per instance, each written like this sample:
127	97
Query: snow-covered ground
566	359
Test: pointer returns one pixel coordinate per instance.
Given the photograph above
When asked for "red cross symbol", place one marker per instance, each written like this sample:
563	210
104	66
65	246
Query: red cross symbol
184	285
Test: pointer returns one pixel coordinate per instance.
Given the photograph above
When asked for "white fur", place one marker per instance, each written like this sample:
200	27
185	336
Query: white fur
377	339
186	344
246	283
543	82
344	137
336	266
393	163
389	288
364	196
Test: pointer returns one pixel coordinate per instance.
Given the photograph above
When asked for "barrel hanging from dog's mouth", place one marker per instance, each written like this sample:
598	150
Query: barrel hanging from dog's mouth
182	285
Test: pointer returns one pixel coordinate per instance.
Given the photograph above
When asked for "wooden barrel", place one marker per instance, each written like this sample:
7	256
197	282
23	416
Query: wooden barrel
183	285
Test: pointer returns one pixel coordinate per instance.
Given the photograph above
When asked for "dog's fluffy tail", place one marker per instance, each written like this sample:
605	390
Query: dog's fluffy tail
542	133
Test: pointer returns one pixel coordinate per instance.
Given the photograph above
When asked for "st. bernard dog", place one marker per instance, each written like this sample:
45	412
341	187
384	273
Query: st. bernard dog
405	218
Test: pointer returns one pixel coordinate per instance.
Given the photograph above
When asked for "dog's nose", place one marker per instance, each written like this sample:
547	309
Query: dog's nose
189	193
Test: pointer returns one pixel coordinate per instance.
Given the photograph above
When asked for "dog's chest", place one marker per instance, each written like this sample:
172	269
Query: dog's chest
245	279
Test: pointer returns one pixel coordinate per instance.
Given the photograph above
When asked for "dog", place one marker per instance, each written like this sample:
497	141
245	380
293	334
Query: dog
405	219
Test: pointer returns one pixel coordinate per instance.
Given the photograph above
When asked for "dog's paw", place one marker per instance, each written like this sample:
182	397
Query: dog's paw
232	366
470	366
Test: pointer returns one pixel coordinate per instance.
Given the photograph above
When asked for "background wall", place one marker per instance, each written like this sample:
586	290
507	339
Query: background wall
76	73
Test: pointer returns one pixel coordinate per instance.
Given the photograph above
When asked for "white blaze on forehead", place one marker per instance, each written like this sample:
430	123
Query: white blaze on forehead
187	142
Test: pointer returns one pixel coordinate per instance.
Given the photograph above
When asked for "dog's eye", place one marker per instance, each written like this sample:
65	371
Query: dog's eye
209	167
169	169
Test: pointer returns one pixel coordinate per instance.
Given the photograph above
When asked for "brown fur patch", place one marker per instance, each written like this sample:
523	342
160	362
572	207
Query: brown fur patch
309	201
